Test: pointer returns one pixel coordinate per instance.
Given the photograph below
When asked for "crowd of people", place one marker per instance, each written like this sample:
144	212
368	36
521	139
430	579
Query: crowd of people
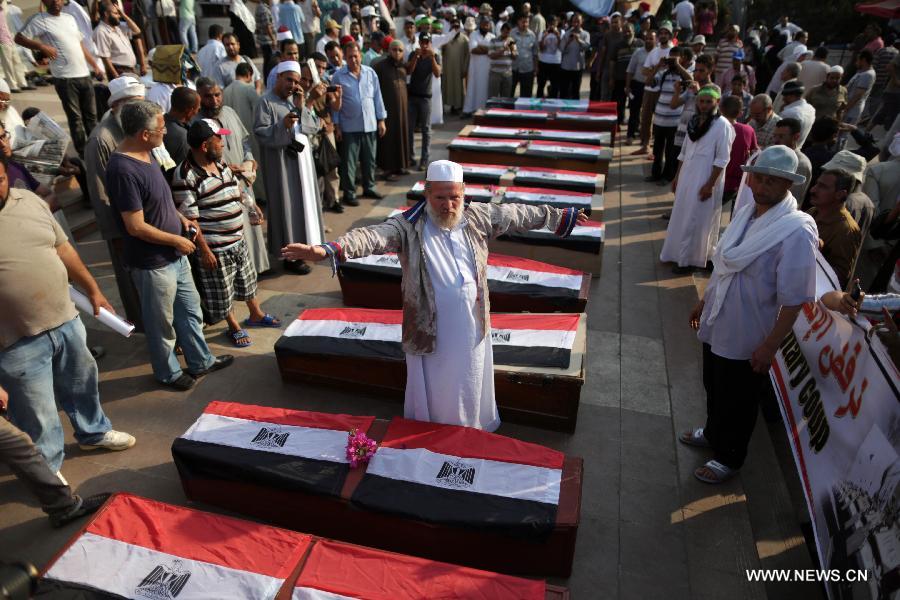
186	153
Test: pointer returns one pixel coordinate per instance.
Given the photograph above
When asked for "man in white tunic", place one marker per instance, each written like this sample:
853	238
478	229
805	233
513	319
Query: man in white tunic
446	312
694	225
764	271
479	67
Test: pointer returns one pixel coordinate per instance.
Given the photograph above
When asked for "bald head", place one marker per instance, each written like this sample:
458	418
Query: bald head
761	108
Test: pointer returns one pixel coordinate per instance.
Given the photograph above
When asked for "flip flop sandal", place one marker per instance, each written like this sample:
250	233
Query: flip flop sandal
237	336
694	438
267	321
720	472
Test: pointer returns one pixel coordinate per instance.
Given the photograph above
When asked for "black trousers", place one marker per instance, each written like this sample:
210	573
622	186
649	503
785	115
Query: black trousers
525	81
548	73
268	63
619	96
570	84
77	97
733	393
664	148
634	108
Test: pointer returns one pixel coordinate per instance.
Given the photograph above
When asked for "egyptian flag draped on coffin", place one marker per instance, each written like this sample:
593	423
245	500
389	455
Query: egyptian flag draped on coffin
140	548
554	104
516	195
461	476
567	150
528	340
561	179
505	274
594	138
335	570
275	447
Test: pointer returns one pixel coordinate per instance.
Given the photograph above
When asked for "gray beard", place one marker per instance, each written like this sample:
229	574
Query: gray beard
443	221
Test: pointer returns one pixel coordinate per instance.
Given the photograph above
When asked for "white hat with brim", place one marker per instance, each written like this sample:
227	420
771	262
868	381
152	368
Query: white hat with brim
698	39
777	161
849	162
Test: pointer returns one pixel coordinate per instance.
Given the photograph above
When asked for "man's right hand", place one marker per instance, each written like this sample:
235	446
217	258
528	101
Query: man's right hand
290	119
208	260
184	245
303	252
50	52
337	132
695	316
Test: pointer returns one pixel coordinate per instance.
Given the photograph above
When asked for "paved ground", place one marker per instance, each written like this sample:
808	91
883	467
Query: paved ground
648	530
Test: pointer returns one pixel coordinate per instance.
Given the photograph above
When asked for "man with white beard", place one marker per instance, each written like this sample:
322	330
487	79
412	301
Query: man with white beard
443	248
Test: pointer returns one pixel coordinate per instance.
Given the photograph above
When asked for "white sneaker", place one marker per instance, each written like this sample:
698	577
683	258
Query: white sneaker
112	440
59	475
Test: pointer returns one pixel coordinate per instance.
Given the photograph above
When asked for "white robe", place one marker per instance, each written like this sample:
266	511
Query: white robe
479	73
455	383
694	225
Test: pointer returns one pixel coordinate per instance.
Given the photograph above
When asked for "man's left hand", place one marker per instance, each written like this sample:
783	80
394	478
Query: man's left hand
582	217
382	128
762	358
98	71
706	192
98	301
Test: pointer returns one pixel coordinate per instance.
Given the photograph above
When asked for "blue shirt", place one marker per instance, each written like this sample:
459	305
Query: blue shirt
361	104
291	16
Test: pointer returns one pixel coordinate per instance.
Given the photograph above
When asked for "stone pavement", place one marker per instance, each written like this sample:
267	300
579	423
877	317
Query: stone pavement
649	529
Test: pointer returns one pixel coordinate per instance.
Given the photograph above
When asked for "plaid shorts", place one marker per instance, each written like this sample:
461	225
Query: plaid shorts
234	278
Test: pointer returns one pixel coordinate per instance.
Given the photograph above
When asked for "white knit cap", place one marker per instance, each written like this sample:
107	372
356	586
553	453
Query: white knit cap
444	170
284	35
837	69
289	65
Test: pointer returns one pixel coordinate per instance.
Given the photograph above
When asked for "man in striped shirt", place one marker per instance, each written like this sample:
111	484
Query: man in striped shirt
665	118
206	190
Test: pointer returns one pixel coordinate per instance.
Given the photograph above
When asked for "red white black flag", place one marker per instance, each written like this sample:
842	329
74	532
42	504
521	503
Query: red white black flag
139	548
535	340
464	477
272	447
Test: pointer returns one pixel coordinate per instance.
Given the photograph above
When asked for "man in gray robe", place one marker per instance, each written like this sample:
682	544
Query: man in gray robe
238	155
242	97
289	180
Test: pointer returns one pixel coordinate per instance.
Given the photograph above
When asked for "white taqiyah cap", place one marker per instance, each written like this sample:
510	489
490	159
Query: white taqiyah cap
289	65
444	170
4	87
837	69
284	35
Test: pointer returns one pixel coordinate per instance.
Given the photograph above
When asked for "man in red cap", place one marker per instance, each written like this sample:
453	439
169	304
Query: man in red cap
206	190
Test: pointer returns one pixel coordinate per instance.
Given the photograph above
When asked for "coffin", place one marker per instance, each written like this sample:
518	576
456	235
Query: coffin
547	119
531	153
538	372
516	284
535	177
139	548
441	492
556	104
592	204
582	250
592	138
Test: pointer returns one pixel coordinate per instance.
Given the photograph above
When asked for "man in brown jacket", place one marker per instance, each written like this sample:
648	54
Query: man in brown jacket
446	312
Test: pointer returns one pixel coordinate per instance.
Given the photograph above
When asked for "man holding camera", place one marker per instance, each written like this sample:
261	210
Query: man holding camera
502	51
157	242
423	63
282	170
